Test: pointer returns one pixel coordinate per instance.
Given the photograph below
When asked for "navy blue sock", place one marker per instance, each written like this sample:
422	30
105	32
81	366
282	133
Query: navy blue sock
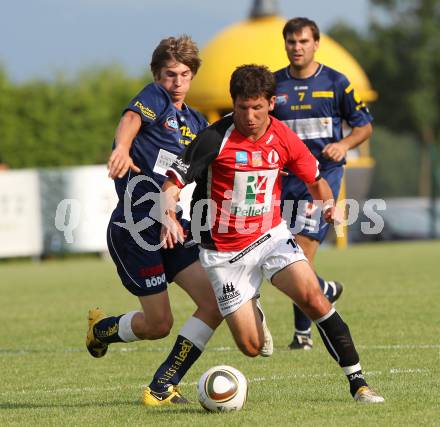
327	292
302	322
321	282
106	330
179	361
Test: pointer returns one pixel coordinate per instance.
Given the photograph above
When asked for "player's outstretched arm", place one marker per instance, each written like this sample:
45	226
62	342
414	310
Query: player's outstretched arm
171	231
321	192
120	160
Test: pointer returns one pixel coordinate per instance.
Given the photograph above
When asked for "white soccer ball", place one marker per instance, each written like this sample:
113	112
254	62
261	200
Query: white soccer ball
222	389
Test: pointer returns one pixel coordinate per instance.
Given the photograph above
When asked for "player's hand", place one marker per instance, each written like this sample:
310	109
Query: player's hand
336	151
333	215
119	163
171	232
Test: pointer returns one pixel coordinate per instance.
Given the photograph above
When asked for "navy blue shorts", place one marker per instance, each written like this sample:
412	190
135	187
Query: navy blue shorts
147	272
298	210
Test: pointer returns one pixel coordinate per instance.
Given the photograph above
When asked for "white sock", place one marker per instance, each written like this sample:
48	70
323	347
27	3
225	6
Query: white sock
324	291
125	332
348	370
326	316
306	332
333	286
197	331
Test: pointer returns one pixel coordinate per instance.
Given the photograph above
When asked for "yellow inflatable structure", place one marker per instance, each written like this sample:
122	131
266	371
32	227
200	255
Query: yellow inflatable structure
259	40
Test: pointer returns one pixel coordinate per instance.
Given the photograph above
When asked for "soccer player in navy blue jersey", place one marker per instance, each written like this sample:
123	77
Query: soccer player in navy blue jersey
315	101
153	130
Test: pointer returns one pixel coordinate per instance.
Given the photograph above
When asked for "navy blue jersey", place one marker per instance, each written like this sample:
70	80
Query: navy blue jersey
315	108
164	133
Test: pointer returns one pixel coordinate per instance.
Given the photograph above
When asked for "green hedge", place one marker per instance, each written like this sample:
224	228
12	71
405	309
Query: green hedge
63	122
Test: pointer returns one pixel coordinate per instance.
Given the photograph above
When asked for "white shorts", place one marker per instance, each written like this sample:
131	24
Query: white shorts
236	277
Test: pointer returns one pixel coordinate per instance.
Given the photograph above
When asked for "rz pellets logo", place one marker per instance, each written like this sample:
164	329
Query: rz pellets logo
256	187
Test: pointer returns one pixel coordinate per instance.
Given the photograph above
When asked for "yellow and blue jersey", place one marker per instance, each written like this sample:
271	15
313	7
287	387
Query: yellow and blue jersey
164	133
316	107
143	267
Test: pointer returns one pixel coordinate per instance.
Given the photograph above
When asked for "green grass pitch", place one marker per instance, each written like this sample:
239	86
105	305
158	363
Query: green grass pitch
391	302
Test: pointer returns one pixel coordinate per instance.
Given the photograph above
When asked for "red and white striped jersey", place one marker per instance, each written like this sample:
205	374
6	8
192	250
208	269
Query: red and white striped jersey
237	197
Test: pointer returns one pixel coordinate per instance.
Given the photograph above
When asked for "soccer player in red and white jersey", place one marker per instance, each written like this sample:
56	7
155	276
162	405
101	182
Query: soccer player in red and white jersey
236	164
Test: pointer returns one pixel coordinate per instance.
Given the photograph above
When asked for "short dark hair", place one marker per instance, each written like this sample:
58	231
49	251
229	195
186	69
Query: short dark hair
297	24
252	81
180	49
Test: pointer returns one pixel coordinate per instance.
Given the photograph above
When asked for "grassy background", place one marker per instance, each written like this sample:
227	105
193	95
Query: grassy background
391	302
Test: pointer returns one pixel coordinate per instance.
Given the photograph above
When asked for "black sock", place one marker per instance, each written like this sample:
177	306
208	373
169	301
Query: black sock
106	330
356	380
337	339
179	361
326	289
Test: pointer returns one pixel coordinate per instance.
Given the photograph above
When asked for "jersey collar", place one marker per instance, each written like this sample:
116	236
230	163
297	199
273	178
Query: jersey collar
313	76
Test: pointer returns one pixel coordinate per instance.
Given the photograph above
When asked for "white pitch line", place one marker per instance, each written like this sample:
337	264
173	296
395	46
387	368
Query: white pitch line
115	349
400	347
272	378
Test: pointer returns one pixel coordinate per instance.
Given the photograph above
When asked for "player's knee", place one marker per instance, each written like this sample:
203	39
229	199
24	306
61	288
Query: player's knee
250	348
250	351
162	330
313	302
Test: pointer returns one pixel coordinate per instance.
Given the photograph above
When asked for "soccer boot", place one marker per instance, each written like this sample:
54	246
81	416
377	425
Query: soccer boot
366	395
267	349
96	348
171	396
337	291
301	342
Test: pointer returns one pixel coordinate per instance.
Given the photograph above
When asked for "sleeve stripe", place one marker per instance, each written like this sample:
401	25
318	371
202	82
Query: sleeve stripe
349	88
179	180
226	137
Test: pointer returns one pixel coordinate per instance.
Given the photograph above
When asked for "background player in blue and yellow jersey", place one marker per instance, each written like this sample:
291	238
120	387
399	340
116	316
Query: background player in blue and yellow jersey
153	130
314	101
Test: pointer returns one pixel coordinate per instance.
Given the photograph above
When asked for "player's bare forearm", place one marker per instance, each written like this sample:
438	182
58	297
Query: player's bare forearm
169	195
321	192
357	136
171	231
338	150
120	160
